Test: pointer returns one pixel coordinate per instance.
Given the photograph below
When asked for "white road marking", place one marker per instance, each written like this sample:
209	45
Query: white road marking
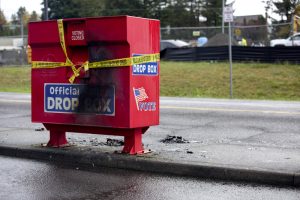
231	110
188	108
15	101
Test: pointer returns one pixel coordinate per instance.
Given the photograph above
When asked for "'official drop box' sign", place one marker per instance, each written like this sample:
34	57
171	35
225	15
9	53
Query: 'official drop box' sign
79	98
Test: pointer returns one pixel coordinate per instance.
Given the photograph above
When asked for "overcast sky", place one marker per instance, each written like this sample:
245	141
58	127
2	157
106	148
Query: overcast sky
241	7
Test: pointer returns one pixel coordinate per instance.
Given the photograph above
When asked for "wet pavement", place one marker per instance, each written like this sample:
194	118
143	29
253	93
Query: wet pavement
30	180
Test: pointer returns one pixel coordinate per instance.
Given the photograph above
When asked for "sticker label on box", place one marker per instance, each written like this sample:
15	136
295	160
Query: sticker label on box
79	98
77	35
146	69
141	97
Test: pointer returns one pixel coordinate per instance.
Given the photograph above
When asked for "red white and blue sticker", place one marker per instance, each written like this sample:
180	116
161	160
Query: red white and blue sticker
79	98
145	69
141	98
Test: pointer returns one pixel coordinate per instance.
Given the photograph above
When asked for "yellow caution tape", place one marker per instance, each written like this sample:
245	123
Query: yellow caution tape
45	64
122	62
29	54
62	36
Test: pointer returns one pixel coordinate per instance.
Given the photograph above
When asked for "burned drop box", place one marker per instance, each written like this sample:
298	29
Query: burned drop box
96	75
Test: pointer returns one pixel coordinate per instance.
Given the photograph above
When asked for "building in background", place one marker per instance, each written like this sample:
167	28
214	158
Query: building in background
252	28
12	51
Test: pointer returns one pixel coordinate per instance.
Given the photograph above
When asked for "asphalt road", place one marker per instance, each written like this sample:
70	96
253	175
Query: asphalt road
211	125
190	116
30	180
256	123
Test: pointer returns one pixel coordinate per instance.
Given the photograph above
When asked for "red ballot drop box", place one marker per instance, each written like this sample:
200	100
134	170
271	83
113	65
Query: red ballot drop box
96	75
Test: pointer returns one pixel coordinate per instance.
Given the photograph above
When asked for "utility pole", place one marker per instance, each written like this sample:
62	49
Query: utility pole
228	17
267	7
230	59
46	9
22	35
22	27
223	3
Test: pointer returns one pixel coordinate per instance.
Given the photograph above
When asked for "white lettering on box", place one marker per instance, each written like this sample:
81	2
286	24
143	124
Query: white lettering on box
79	98
77	35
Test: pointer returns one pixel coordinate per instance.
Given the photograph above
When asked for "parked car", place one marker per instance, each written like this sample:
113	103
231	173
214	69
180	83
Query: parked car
290	41
172	44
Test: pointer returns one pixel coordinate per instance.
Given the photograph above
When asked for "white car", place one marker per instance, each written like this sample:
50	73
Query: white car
290	41
172	44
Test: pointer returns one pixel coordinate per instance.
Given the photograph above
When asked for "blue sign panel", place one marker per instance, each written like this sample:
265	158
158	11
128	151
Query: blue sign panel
146	69
79	98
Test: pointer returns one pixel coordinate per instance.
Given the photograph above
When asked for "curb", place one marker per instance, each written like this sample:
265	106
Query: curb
94	160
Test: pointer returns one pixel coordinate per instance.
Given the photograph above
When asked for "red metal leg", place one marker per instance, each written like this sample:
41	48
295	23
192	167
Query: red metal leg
57	138
132	137
133	142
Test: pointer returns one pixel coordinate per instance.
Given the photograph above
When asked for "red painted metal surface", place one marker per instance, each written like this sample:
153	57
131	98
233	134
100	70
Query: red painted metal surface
114	101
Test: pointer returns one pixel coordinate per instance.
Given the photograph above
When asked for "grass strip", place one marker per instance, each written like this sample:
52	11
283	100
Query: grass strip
200	79
250	80
15	79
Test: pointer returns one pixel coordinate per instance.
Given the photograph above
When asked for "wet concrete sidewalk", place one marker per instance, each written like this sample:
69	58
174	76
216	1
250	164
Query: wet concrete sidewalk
274	160
220	161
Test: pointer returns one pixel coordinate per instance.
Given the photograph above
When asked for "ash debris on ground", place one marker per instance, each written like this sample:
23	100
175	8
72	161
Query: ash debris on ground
80	141
39	129
96	142
171	139
114	142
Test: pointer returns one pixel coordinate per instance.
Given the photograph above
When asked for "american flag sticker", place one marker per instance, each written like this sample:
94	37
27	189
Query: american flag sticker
139	95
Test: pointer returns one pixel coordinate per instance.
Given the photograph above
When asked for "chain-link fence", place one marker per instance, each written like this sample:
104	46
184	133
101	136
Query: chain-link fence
13	48
254	35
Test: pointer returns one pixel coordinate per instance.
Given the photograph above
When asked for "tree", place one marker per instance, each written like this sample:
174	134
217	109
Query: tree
23	14
21	17
285	8
177	16
14	19
89	8
213	12
2	20
73	8
196	8
62	9
170	12
124	7
297	10
152	8
33	17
